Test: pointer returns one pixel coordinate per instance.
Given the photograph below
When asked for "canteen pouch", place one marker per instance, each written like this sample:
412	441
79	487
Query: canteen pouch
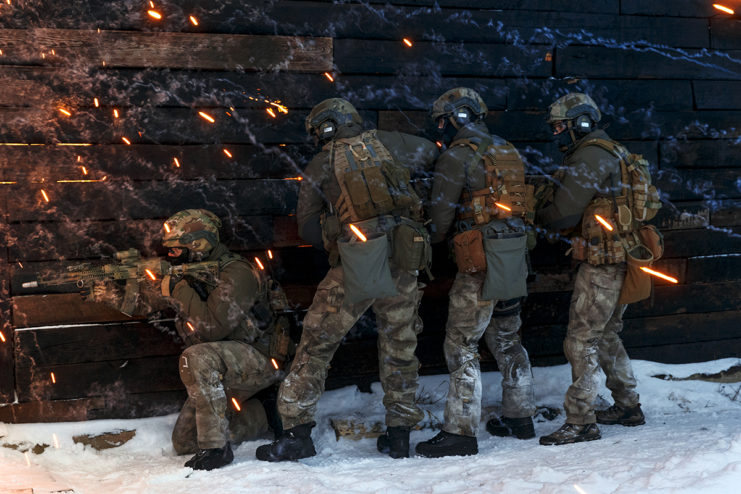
506	267
468	248
366	268
412	249
637	284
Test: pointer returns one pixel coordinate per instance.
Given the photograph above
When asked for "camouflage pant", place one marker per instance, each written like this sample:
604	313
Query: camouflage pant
468	319
209	371
592	341
328	321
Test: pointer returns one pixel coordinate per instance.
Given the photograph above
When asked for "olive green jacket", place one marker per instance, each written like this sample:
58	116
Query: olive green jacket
450	178
591	172
320	188
226	313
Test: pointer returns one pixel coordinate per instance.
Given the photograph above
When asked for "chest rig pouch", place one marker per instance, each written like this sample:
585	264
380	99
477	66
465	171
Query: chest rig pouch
371	182
505	195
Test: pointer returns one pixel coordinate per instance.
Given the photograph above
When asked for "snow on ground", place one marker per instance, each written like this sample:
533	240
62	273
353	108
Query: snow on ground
691	443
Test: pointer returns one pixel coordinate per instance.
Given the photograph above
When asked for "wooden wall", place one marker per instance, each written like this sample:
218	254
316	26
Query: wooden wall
666	74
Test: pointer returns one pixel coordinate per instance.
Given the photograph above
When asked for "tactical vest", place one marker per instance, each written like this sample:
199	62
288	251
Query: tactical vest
372	183
506	195
638	201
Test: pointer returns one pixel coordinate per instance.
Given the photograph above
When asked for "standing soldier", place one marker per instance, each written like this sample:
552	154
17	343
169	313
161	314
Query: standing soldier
356	201
481	177
224	323
591	186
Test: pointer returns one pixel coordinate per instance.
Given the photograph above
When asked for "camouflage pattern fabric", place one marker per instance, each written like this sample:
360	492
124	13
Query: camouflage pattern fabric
469	318
592	341
328	321
210	372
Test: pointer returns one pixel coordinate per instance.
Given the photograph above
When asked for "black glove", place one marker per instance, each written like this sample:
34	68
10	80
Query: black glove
198	286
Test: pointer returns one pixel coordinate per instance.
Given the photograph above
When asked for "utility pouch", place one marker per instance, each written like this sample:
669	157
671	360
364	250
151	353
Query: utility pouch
359	194
637	284
578	249
379	192
468	248
412	249
366	268
653	240
506	266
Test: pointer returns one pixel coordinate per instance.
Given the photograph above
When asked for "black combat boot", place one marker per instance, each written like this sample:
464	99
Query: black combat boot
572	433
293	444
447	444
208	459
624	416
394	442
521	428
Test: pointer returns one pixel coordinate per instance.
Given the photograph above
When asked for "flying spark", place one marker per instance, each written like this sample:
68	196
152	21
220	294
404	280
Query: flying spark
193	20
128	142
84	170
206	116
154	14
65	112
275	363
190	326
407	42
723	8
604	222
167	228
502	206
226	152
358	233
46	197
660	275
177	163
270	112
96	102
115	113
257	260
2	337
150	274
329	76
53	378
236	404
270	254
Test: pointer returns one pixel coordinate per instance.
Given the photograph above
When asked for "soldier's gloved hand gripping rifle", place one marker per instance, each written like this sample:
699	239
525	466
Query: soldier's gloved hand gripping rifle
130	268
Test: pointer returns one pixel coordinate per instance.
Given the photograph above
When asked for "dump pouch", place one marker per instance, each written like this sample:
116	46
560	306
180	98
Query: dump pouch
366	268
468	248
637	284
506	266
411	251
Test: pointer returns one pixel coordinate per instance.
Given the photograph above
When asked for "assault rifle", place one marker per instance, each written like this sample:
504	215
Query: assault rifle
130	268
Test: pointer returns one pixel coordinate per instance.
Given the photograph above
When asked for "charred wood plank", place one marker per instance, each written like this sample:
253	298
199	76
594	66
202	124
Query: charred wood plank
6	340
716	269
707	242
61	309
682	215
726	213
50	411
686	184
166	50
151	162
109	199
84	343
113	379
351	56
717	95
724	34
715	153
664	63
680	8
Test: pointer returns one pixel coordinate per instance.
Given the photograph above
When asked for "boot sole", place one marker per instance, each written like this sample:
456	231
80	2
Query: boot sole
621	422
576	440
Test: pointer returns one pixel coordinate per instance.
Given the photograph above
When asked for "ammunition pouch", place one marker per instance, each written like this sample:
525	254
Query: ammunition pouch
411	246
597	245
366	267
468	249
652	239
506	264
637	284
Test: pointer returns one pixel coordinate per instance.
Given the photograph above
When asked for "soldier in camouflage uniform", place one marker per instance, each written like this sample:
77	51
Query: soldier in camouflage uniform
460	112
595	317
227	346
326	206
